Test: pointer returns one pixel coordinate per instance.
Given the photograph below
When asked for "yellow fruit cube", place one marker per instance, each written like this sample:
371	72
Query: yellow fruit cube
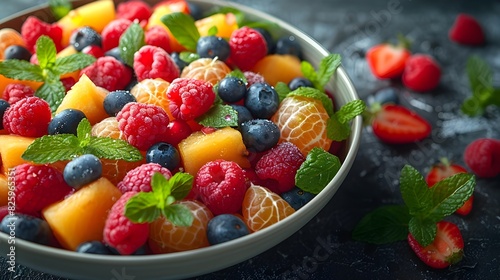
11	149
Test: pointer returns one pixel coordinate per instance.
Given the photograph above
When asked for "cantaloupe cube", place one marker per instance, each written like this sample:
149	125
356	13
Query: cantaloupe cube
4	190
4	81
11	149
200	148
86	97
278	67
81	216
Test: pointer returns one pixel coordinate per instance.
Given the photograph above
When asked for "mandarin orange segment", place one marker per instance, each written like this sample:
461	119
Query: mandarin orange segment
164	237
303	121
108	128
152	91
9	37
115	170
262	208
206	69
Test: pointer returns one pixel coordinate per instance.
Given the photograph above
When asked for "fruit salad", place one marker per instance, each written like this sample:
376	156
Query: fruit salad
149	129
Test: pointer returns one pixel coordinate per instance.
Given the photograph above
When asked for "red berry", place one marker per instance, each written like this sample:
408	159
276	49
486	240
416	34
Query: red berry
109	73
28	117
189	98
120	232
15	92
221	186
279	165
68	83
133	10
142	124
466	30
253	78
483	157
446	249
37	186
139	178
4	211
93	50
247	47
152	62
422	73
177	130
157	36
112	32
33	28
387	61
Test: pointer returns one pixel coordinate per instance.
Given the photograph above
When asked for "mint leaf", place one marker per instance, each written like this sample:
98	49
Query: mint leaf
178	215
481	83
188	57
423	231
181	185
238	74
212	31
219	116
336	130
130	42
21	70
59	8
53	92
142	208
350	110
316	94
414	190
338	127
52	148
109	148
327	68
84	132
161	188
74	62
309	72
183	28
282	89
45	52
317	171
384	225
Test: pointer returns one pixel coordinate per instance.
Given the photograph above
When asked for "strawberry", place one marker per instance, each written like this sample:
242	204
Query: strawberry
445	250
422	73
445	169
395	124
387	61
466	30
483	157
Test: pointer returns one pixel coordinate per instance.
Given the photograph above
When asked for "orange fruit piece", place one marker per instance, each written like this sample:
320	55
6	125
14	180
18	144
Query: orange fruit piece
107	128
9	37
226	24
153	91
114	170
206	69
262	208
303	121
164	237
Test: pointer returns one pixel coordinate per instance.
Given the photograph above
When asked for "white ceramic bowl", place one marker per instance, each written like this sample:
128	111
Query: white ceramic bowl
201	261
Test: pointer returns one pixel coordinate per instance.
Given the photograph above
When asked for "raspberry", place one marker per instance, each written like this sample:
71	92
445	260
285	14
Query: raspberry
483	157
28	117
422	73
121	233
112	32
133	10
142	124
157	36
279	166
152	62
33	28
221	186
139	178
68	83
15	92
466	30
253	78
37	186
247	47
109	73
189	98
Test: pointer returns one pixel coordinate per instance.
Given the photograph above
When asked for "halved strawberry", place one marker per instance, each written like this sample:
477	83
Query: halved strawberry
445	250
387	61
445	169
466	30
396	124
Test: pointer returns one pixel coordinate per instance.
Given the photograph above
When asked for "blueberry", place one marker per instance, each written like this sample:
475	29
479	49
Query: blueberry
259	135
243	113
115	52
27	228
288	45
269	39
297	197
384	95
94	247
225	227
17	52
66	122
231	89
84	37
299	82
164	154
262	100
3	107
213	46
115	100
132	83
177	59
195	10
82	170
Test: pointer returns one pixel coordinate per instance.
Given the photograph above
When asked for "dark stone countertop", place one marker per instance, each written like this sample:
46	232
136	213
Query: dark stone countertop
324	249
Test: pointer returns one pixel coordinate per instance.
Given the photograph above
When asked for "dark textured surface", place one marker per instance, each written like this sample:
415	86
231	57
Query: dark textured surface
323	248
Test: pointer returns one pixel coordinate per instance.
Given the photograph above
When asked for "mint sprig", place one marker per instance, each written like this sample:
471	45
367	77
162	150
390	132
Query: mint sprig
49	70
130	42
327	68
60	8
149	206
219	116
52	148
423	208
317	171
183	28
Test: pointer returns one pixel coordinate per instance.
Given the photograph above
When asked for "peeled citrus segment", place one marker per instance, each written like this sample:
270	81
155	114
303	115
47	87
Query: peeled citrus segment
206	69
262	208
303	121
152	91
108	128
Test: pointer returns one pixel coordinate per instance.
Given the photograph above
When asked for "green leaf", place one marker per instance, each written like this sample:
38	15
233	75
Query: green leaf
309	73
350	110
116	149
282	89
84	132
479	73
74	62
188	57
130	42
212	31
142	208
316	94
179	215
181	185
60	8
336	130
472	107
183	28
327	68
161	188
46	52
414	190
317	171
21	70
384	225
219	116
52	148
237	74
53	92
423	231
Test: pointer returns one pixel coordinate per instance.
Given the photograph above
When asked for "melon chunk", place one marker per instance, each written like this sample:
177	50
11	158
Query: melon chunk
4	190
11	149
272	68
81	216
